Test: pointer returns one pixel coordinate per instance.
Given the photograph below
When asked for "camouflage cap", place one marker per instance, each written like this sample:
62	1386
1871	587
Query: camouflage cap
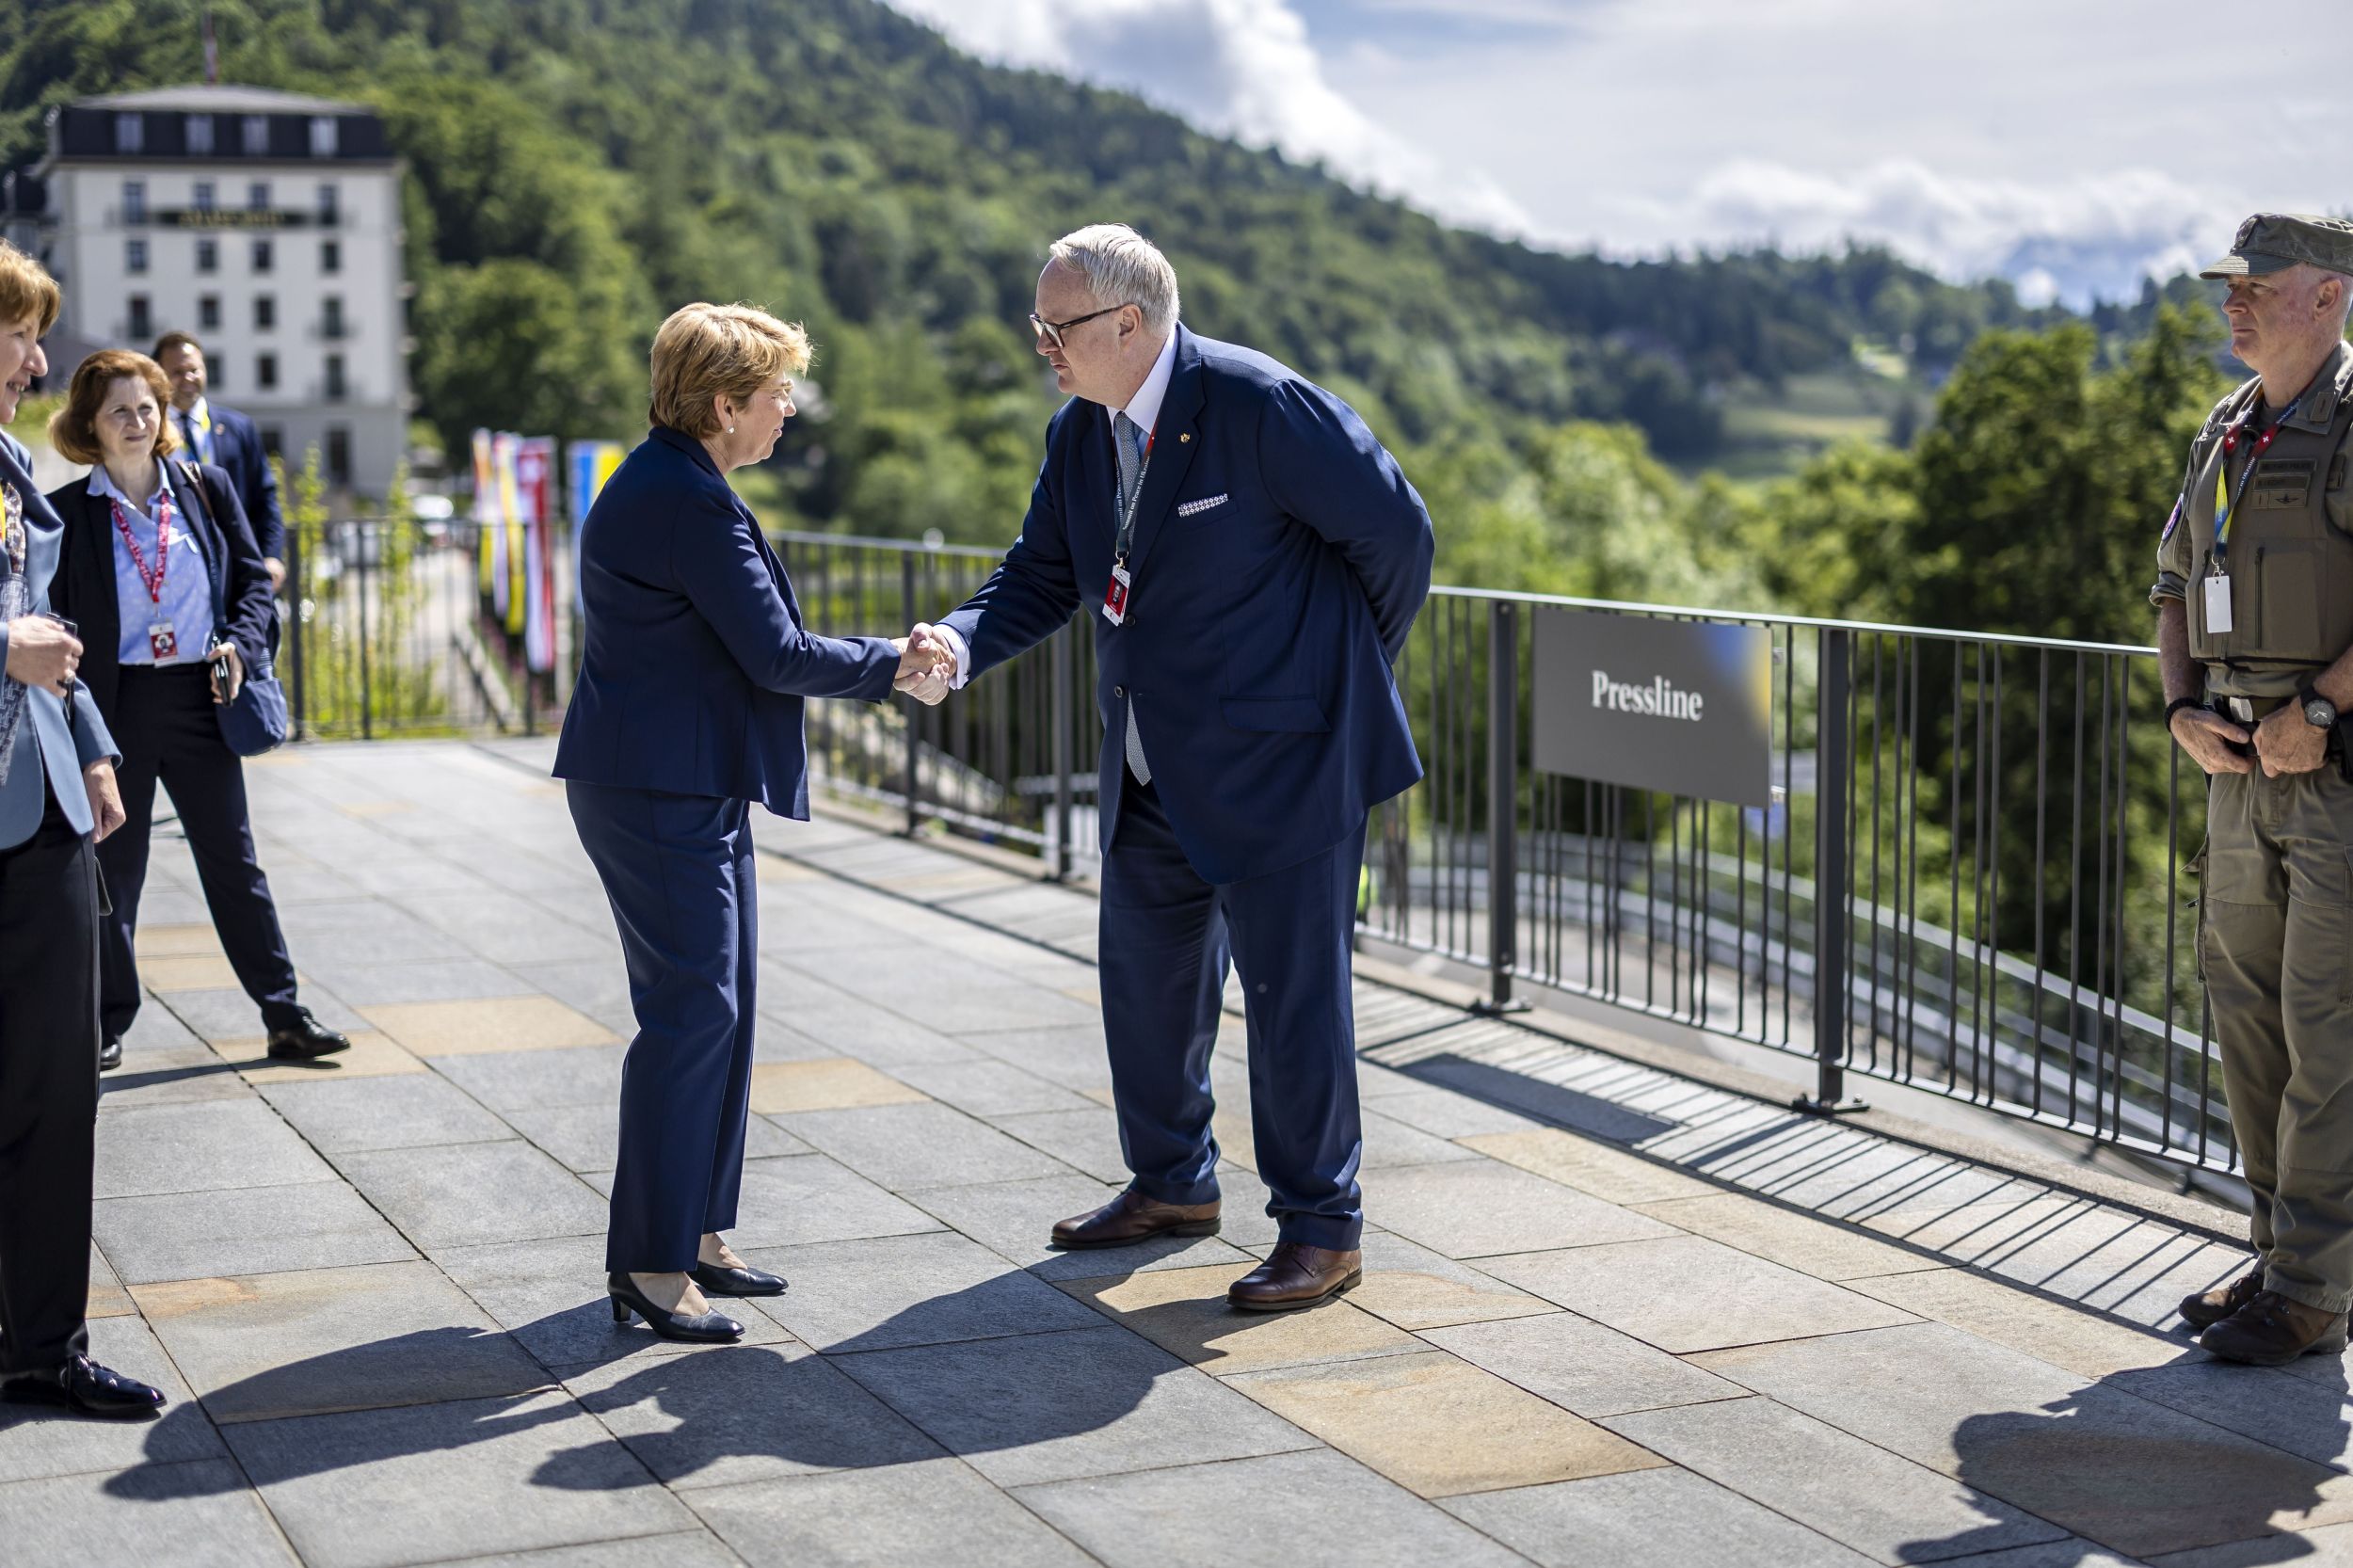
2272	242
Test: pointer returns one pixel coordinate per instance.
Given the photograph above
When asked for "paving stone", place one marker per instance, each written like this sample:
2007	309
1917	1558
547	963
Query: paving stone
888	1291
501	1475
1084	1140
195	1515
152	941
596	988
1441	1112
107	1298
1688	1294
37	1441
1606	1173
552	1079
1477	1207
244	1230
1205	1513
2132	1475
493	1024
1185	1311
928	1145
850	1025
507	928
1783	1235
1389	1144
192	1074
587	1138
2331	1546
1581	1366
192	972
2291	1412
1013	1219
831	1083
1438	1425
470	1194
695	1549
2064	1336
1074	1057
198	1148
551	1296
329	1340
1857	1494
1646	1519
419	1111
370	931
365	985
1415	1288
370	1055
157	1028
806	1197
1040	1407
985	1088
228	1014
935	1511
745	1414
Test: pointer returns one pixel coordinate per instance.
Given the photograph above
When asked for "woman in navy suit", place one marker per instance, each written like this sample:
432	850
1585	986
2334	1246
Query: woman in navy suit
687	709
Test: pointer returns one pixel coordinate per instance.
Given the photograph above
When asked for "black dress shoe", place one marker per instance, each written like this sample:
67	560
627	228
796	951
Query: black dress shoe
707	1328
716	1281
110	1055
305	1041
83	1385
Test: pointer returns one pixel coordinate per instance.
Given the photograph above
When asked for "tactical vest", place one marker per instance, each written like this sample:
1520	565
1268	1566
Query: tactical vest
2291	540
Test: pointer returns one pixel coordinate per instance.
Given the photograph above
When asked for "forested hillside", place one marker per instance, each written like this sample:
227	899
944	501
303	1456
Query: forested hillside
579	166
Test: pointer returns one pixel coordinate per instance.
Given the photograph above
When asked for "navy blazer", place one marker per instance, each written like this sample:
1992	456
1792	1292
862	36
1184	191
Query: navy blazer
1280	557
84	591
47	737
696	659
238	452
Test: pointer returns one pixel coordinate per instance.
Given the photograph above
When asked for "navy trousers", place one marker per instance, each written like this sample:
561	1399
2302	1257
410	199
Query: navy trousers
163	720
679	872
1168	938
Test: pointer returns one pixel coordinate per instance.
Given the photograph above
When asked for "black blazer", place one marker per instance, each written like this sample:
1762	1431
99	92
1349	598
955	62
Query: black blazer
238	451
84	589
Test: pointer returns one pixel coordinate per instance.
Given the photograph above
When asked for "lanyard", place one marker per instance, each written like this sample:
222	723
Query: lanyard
1127	522
2226	500
153	585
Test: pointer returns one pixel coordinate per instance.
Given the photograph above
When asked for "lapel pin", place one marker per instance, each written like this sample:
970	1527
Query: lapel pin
1186	437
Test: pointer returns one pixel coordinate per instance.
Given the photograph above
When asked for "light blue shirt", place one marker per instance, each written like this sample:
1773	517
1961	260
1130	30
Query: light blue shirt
187	600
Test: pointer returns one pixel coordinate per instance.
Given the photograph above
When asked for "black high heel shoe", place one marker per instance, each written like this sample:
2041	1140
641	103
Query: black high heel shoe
708	1328
717	1281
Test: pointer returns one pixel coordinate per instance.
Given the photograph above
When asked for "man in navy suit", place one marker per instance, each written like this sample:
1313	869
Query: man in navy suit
1251	560
227	439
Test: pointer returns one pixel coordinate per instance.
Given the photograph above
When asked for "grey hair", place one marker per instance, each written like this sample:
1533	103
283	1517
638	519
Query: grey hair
1122	267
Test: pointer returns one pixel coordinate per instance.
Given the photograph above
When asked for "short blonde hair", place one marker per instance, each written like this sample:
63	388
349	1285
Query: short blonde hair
73	429
27	293
704	351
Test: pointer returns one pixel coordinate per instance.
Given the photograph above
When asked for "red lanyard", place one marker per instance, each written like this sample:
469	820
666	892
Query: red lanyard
2226	502
154	584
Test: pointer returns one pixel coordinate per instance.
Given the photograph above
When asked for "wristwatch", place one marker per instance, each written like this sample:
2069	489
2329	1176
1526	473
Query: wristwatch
2319	712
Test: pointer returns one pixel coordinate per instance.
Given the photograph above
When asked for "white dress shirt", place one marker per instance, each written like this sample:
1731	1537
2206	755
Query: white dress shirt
1144	410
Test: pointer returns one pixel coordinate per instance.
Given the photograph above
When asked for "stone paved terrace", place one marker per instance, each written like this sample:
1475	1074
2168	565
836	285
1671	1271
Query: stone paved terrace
1611	1315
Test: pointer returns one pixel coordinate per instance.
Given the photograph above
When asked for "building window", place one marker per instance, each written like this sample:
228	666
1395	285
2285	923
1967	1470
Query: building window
142	321
324	135
257	197
263	256
134	201
337	388
130	133
331	316
256	131
208	312
330	205
264	313
135	256
204	198
217	373
208	255
339	456
331	256
201	134
273	441
266	372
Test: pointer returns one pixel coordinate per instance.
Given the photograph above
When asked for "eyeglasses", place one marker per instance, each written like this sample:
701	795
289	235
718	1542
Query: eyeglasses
1050	332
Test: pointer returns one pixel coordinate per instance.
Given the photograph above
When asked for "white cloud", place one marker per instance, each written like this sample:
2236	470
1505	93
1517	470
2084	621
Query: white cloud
1243	68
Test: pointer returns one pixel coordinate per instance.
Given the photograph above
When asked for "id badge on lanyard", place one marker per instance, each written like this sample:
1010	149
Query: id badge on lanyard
1115	593
2226	500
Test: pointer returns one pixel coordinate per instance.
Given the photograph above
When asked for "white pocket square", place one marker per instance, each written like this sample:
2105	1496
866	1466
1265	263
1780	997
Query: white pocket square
1188	508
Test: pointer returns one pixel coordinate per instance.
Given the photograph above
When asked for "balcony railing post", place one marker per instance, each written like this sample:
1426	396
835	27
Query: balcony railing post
1503	794
1060	669
1834	765
913	708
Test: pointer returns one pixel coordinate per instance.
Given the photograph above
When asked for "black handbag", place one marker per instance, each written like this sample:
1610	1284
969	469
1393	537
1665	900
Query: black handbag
255	720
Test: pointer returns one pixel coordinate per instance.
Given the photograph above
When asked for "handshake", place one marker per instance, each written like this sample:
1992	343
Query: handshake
926	665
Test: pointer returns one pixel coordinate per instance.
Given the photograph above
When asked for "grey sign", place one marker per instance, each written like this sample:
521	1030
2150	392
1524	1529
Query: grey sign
1681	707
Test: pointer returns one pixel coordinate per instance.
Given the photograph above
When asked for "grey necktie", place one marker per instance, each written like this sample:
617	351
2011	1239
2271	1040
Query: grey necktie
1128	450
187	428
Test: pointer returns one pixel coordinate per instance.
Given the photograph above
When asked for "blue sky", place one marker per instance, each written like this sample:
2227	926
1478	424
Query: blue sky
2070	145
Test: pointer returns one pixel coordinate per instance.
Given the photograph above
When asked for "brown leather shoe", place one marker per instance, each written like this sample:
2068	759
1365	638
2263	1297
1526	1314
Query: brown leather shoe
1132	1217
1296	1276
2272	1331
2209	1307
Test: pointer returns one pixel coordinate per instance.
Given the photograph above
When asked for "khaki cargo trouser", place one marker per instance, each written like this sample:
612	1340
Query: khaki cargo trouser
2276	943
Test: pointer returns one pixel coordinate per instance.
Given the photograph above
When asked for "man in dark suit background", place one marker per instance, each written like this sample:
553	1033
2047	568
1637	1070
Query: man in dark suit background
1251	560
229	440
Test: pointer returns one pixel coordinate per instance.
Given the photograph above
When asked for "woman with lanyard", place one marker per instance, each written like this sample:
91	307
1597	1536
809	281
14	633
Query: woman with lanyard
164	577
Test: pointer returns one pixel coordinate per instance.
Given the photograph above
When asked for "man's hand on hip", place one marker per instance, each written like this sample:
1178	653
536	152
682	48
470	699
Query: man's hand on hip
2208	738
2286	743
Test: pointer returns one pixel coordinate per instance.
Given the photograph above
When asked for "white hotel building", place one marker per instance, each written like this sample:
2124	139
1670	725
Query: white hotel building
266	223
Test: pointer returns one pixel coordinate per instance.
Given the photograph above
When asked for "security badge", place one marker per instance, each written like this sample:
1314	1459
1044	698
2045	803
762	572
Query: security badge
12	537
2217	604
164	641
1116	597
